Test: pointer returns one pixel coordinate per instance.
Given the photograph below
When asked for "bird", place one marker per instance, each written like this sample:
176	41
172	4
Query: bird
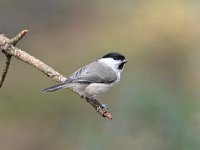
95	78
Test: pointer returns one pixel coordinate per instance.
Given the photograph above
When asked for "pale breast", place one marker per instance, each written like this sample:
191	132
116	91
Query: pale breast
95	89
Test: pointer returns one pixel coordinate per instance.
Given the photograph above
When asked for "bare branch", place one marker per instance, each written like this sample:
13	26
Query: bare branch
4	45
8	47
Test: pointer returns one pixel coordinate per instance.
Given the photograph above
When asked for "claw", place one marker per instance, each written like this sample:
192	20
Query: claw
102	106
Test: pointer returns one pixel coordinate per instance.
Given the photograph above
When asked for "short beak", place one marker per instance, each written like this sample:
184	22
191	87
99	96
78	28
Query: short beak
125	61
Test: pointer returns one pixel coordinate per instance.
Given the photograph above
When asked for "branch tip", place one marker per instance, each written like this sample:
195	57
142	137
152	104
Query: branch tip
107	115
20	35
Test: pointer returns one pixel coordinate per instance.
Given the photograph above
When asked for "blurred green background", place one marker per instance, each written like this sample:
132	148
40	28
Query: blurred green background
155	106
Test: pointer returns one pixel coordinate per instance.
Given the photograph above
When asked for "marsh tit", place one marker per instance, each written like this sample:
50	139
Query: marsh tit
95	78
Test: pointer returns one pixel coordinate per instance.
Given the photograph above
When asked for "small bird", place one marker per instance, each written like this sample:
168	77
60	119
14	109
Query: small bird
95	78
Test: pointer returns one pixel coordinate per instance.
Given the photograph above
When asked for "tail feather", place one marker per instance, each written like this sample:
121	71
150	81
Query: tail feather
53	88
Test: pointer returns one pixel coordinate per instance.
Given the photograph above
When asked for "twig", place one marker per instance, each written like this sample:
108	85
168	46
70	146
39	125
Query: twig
5	70
16	39
8	47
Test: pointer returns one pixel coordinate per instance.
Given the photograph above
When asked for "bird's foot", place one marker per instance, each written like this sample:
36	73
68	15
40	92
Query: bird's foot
102	106
103	110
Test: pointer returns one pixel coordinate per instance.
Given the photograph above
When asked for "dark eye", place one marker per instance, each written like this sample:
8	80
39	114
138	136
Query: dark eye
115	58
118	58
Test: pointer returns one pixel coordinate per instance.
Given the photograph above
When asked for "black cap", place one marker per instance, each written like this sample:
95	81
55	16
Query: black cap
115	56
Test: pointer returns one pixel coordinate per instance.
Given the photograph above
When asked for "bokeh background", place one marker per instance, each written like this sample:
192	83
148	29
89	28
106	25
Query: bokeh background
155	106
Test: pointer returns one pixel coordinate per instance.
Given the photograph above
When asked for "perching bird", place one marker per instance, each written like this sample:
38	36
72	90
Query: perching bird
95	78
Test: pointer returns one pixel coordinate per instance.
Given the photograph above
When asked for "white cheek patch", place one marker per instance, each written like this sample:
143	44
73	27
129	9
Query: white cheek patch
110	62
